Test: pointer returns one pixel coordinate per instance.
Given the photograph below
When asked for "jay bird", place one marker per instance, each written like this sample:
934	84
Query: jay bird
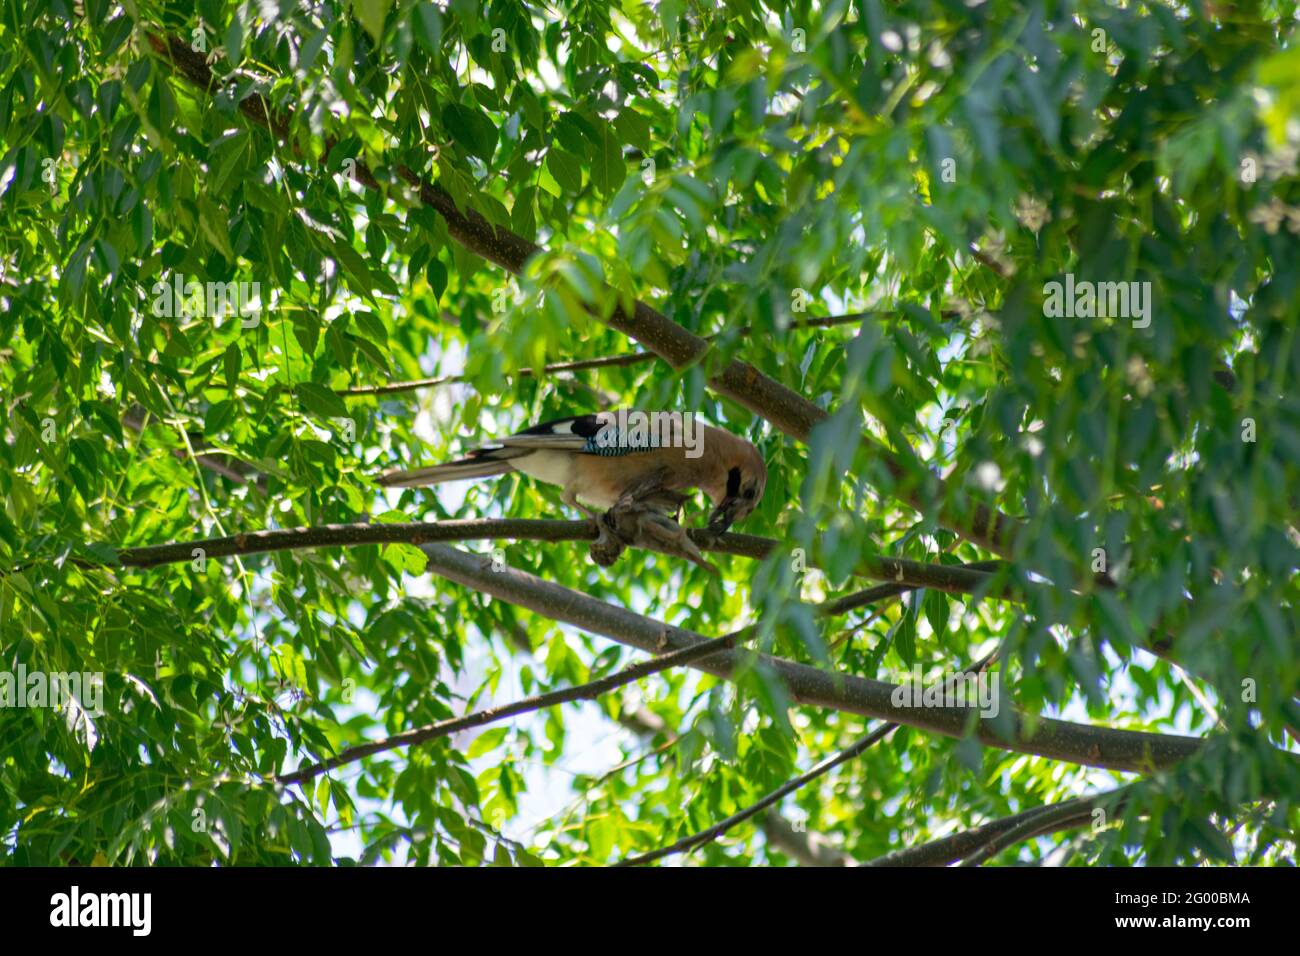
619	457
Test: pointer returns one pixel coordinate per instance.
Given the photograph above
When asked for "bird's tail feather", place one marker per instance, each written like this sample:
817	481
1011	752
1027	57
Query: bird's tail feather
484	464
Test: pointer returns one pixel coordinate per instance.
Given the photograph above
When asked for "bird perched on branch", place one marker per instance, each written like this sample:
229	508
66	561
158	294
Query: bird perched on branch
623	457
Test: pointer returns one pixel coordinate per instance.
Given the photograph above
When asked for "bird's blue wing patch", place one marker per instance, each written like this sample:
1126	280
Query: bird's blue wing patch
614	450
600	431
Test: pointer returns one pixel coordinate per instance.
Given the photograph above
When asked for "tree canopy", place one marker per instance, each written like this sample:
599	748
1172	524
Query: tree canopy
1004	292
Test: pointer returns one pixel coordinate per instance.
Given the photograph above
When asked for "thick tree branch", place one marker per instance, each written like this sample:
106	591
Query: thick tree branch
999	834
1124	750
805	849
904	573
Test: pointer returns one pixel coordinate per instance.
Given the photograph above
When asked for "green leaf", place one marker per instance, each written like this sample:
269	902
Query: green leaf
566	169
903	635
320	400
371	326
935	605
306	329
219	417
371	14
406	557
436	273
472	129
487	742
608	170
231	363
428	26
633	128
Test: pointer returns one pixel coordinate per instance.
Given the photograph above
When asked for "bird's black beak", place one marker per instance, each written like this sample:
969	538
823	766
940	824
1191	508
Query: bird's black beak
722	516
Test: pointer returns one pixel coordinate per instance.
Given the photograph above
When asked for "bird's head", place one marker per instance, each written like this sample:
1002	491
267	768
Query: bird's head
746	478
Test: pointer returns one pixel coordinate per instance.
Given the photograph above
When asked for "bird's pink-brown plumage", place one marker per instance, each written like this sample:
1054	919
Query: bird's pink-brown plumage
727	468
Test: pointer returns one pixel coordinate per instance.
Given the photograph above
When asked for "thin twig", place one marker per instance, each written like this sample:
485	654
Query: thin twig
710	834
491	715
718	829
610	361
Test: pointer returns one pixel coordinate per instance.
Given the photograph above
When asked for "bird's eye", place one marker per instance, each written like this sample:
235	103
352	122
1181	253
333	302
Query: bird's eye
749	494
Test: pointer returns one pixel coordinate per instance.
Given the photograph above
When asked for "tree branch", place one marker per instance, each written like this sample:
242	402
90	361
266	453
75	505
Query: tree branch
851	602
798	845
1021	826
1116	749
491	715
1124	750
712	833
610	361
974	578
357	535
904	573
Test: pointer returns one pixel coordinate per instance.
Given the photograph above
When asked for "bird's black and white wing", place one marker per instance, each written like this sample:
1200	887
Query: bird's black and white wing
595	434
